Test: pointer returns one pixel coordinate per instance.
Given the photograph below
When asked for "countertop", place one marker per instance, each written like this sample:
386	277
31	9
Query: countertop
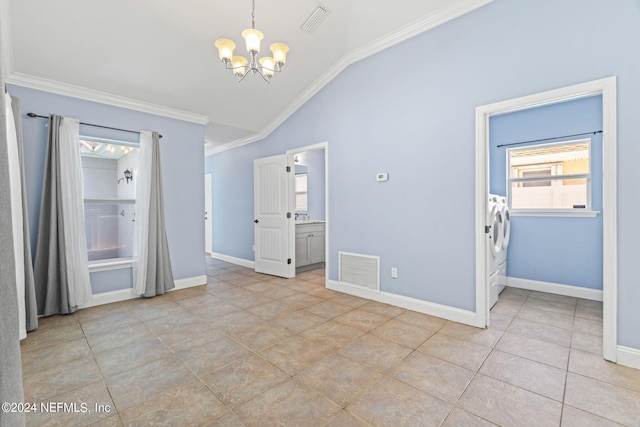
309	221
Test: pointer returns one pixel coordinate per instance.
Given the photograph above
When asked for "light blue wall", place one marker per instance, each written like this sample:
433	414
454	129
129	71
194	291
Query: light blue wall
566	251
410	111
182	160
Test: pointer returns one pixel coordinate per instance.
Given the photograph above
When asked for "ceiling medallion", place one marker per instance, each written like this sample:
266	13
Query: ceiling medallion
266	67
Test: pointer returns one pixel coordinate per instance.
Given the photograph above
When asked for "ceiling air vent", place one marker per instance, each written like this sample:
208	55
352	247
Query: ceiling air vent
315	19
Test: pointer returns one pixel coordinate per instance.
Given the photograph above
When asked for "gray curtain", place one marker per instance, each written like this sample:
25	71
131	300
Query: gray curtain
29	291
10	362
159	274
52	293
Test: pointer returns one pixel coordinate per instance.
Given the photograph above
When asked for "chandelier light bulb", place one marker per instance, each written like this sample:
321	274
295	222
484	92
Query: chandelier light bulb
252	38
279	51
267	66
225	49
239	64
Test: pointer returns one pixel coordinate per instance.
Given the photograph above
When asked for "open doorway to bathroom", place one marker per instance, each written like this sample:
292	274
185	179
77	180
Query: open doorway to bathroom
310	207
599	91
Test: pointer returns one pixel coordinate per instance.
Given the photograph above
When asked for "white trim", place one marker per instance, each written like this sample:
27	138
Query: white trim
414	304
555	288
233	260
628	356
189	282
127	294
607	88
566	213
110	264
442	16
79	92
110	297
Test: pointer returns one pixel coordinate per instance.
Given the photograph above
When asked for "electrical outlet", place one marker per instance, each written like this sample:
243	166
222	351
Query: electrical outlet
394	272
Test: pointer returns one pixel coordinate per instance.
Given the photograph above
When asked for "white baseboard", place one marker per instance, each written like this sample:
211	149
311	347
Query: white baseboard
628	356
129	293
555	288
233	260
414	304
190	282
109	297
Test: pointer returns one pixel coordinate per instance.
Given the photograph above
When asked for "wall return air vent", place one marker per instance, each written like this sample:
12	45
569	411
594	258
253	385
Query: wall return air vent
359	270
315	19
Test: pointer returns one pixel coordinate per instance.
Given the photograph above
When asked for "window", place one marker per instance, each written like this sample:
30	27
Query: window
301	192
108	172
550	177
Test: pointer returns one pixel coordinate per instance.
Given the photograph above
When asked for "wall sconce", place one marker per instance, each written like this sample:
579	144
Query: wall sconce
128	175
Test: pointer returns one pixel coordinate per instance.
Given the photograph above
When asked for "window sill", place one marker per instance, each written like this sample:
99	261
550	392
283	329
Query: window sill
110	264
573	213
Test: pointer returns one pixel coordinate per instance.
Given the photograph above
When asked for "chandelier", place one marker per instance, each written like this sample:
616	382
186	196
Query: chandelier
266	67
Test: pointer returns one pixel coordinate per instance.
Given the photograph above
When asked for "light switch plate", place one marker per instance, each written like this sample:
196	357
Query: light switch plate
382	176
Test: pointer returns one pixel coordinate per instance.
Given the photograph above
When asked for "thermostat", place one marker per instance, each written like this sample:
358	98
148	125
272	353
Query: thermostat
382	176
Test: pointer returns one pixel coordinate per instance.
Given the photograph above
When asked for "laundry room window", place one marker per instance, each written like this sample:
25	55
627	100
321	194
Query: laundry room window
108	172
552	178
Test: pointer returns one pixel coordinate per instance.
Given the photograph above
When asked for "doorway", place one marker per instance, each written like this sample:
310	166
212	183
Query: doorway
208	216
309	192
607	89
275	208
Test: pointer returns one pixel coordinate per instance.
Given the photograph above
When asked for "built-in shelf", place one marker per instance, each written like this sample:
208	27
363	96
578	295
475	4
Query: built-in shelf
110	201
109	264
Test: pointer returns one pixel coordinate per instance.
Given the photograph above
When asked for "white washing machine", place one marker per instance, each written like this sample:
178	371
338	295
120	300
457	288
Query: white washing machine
498	218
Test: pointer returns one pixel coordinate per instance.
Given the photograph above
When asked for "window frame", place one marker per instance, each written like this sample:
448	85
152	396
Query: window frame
559	212
306	193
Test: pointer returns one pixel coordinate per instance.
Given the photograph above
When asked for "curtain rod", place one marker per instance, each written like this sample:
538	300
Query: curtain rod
549	139
89	124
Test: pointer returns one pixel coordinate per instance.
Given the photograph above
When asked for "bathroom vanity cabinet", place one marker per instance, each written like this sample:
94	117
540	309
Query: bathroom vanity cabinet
310	238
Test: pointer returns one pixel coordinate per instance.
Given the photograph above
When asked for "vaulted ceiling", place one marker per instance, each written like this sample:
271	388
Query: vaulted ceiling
159	55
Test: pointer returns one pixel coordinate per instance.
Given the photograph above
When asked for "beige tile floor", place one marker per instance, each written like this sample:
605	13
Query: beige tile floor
255	350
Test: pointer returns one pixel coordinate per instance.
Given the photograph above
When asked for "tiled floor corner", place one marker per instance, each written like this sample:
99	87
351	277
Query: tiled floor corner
254	350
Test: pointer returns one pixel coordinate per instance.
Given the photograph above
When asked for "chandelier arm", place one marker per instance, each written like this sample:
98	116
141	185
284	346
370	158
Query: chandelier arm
265	78
231	67
243	76
273	70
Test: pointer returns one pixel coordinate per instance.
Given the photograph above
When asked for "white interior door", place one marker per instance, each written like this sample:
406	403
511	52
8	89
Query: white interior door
208	220
272	216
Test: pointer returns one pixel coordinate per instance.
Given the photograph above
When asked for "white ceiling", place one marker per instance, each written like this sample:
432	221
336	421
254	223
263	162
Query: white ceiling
158	55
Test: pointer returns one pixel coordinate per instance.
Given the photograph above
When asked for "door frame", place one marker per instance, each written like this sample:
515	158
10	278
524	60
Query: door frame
208	206
605	87
292	203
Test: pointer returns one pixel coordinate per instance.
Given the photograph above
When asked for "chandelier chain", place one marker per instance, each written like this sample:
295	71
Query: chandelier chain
253	14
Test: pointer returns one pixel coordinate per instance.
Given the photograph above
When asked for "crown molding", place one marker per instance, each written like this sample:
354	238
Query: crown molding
79	92
440	17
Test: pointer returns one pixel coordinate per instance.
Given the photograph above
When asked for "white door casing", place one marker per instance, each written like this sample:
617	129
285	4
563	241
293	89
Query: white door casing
292	241
273	218
208	216
607	88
